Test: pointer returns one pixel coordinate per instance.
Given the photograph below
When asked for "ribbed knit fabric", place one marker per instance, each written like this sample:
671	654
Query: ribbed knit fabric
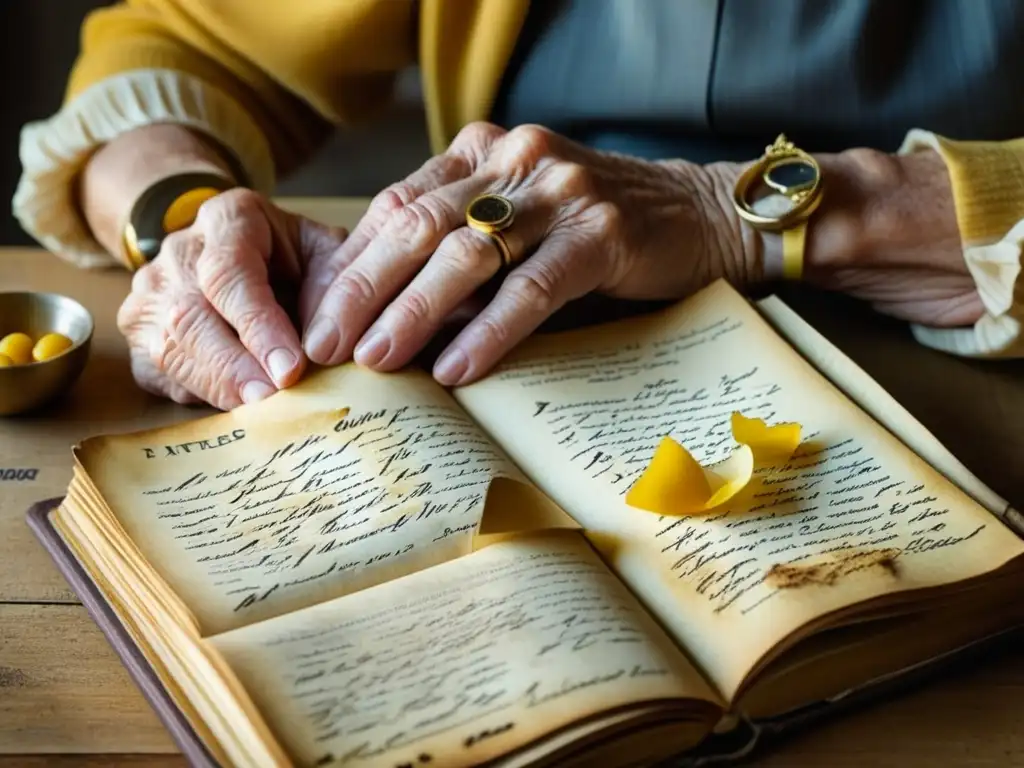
53	151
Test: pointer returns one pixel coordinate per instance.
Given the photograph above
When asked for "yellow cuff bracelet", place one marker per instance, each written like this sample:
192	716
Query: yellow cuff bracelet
169	205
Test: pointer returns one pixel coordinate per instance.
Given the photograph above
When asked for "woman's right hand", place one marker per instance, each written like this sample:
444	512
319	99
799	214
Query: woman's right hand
202	320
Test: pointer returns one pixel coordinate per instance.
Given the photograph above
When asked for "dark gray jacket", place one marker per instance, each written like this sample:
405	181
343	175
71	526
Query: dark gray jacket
716	79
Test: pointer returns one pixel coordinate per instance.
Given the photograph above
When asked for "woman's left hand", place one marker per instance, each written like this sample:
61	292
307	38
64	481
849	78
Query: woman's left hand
886	233
584	221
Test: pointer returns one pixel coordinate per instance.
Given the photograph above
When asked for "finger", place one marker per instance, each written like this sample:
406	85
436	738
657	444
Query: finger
155	382
200	352
563	268
233	275
298	241
137	322
465	154
464	261
361	291
319	245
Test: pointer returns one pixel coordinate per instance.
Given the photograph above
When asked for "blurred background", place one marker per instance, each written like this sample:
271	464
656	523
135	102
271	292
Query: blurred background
44	49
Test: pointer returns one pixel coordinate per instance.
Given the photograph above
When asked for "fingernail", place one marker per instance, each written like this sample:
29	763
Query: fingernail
321	340
373	348
281	362
452	366
254	391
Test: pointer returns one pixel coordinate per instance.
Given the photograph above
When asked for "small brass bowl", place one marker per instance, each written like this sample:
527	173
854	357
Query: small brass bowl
26	387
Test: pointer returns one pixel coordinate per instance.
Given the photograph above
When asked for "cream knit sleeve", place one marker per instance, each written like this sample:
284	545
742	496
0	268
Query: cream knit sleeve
988	190
53	151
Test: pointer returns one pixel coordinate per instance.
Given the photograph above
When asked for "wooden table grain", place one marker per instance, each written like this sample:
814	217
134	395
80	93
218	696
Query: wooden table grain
66	701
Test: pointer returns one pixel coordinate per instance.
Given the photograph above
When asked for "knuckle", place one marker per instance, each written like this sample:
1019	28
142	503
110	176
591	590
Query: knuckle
533	290
414	308
178	255
125	316
176	244
354	285
493	330
221	262
248	323
129	314
210	375
476	133
571	180
532	140
237	201
466	251
393	198
607	217
225	273
419	223
225	366
173	363
452	165
184	317
146	279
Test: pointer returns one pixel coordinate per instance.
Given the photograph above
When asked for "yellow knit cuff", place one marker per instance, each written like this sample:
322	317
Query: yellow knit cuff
987	181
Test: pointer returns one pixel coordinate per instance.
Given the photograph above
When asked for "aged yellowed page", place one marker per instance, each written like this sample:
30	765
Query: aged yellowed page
347	480
852	516
464	662
873	398
212	702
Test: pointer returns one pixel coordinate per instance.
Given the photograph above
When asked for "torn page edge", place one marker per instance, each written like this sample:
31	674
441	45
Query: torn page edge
513	507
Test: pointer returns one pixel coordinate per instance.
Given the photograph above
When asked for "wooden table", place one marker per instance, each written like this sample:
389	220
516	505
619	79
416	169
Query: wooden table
65	700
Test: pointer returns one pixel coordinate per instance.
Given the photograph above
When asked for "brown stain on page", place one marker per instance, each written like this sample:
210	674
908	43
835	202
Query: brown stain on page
793	575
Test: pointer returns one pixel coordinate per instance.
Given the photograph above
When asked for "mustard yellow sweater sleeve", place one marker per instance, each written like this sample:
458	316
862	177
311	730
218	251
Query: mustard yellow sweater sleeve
296	68
988	189
267	79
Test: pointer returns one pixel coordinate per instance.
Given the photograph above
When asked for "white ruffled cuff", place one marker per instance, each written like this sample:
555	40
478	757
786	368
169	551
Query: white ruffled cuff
995	266
53	151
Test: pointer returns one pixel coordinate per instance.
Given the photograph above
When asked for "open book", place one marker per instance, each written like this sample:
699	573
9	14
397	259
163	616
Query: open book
370	570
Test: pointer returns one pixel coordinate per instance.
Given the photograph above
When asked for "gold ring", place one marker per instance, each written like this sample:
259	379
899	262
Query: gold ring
493	214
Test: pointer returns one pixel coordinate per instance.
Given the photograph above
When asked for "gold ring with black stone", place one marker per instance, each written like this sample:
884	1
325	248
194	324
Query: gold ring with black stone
493	214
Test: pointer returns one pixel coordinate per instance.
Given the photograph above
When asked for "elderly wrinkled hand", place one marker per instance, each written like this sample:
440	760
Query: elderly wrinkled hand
202	320
587	221
583	221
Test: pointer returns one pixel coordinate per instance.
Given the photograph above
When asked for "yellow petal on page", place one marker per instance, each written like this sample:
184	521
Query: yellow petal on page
729	477
674	483
769	444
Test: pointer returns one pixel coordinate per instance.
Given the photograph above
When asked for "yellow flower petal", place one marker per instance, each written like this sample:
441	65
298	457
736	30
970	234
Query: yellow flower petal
674	483
769	444
731	476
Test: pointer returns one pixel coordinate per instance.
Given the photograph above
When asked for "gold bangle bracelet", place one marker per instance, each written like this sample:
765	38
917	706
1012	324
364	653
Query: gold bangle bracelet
794	175
170	204
805	197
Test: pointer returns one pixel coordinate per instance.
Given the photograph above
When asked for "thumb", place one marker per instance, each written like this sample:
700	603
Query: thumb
238	240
